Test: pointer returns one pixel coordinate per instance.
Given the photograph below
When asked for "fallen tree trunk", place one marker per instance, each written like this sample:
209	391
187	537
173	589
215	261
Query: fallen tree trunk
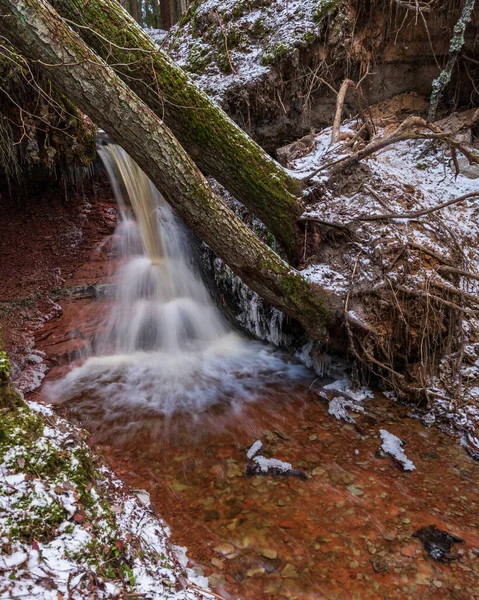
38	32
217	145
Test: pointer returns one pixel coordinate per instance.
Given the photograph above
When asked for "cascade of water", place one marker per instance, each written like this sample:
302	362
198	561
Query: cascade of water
166	349
161	302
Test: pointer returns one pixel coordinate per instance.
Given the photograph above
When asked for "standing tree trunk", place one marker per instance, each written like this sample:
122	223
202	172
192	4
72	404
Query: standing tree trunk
218	146
134	8
457	42
165	9
38	32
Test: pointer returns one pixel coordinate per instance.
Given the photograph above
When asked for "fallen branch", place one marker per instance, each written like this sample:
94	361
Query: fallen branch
233	70
401	134
458	271
347	83
417	213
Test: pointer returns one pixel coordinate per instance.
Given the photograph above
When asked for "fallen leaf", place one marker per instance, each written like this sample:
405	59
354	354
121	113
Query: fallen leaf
79	517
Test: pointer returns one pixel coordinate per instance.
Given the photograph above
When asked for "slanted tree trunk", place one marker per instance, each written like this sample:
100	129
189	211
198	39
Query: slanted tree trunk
38	32
217	145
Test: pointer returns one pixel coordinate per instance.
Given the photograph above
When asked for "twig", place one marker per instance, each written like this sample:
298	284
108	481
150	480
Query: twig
215	12
373	193
421	292
205	592
416	213
347	83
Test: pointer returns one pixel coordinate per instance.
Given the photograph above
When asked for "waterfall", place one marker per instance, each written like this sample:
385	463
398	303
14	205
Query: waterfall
162	304
166	349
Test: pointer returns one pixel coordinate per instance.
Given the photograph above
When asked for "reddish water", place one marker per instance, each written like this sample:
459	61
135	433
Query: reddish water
344	533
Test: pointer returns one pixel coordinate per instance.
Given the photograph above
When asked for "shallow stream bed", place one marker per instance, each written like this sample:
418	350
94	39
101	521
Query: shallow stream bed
344	532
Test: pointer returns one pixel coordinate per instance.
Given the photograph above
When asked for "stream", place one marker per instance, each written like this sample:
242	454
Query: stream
174	399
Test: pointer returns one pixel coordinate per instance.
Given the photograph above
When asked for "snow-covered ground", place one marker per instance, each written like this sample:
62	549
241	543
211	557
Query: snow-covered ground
255	36
407	176
69	528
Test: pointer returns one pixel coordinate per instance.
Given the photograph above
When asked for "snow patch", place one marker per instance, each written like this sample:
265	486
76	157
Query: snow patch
393	445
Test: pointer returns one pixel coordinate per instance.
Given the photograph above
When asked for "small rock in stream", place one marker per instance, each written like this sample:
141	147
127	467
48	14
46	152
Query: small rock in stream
261	465
438	543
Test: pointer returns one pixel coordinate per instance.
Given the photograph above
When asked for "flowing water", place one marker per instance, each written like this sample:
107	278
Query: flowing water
174	398
167	349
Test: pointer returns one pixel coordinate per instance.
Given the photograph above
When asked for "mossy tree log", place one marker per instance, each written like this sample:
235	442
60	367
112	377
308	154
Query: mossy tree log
10	399
218	146
38	32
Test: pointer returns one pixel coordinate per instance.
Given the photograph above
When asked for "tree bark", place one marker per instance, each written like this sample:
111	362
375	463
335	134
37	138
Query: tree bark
217	145
39	33
457	42
165	9
134	8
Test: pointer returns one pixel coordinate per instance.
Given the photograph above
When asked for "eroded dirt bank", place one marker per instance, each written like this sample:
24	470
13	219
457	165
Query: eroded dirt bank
52	249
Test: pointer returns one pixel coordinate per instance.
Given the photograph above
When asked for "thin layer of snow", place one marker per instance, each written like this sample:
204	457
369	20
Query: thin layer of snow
328	278
278	27
393	445
344	387
255	448
61	563
265	464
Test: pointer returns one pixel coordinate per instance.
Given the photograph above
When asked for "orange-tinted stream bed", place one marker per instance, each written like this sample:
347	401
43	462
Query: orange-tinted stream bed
343	532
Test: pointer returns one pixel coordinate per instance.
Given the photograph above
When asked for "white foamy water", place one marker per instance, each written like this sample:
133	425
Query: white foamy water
166	349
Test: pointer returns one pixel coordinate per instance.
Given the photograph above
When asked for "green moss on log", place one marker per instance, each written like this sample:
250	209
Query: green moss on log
10	399
218	146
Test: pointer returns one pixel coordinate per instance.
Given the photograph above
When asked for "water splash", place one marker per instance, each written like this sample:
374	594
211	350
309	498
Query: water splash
167	349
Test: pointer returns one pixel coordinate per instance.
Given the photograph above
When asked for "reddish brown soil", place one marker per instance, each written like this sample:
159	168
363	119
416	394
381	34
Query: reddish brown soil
49	244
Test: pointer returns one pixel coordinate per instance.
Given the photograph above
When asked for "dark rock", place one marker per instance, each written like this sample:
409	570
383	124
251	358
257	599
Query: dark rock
438	543
379	564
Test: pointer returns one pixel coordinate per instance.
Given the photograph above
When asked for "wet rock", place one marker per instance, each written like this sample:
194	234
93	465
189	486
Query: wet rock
179	487
216	562
224	549
438	543
422	579
211	515
289	572
255	572
379	564
355	490
281	434
233	509
216	580
233	470
268	553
